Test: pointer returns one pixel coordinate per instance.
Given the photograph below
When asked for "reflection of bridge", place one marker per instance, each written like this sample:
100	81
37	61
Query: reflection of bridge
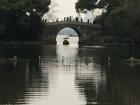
86	31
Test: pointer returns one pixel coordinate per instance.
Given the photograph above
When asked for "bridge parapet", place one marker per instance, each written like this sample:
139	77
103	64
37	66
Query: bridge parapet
85	31
72	23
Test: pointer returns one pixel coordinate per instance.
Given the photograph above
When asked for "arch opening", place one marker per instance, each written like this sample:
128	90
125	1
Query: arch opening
69	33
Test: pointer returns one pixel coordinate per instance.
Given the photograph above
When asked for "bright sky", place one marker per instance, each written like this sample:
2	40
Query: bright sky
65	8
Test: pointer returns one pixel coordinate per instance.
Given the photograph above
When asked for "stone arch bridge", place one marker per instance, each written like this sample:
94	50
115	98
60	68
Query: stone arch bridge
85	31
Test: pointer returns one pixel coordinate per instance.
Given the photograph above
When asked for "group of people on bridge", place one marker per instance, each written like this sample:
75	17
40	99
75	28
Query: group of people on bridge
77	19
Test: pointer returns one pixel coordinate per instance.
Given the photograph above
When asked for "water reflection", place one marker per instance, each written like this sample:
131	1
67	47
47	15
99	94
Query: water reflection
20	83
66	75
62	88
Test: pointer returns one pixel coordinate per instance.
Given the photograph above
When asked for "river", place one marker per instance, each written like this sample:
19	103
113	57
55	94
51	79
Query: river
68	75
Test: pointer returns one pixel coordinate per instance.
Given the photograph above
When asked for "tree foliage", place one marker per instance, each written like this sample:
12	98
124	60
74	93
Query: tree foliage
85	4
125	20
21	18
122	19
93	4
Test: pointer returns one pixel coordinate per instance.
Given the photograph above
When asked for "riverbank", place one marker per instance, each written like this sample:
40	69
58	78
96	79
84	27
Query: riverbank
40	42
110	44
20	42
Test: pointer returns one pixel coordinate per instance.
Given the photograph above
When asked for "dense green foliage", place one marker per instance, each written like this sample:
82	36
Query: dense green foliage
21	19
121	22
124	21
85	4
93	4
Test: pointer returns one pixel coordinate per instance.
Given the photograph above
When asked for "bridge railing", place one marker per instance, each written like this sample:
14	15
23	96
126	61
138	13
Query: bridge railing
72	23
68	21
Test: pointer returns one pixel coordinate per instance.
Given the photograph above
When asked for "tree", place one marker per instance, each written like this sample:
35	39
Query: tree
121	21
124	21
50	16
21	17
93	4
81	5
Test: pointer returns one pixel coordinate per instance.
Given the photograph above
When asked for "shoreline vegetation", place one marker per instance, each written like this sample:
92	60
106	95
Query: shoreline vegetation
20	21
43	43
120	19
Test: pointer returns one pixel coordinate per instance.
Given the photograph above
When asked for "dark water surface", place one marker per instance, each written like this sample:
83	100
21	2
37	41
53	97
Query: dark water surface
63	75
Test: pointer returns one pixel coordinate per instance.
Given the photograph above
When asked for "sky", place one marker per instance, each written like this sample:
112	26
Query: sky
65	8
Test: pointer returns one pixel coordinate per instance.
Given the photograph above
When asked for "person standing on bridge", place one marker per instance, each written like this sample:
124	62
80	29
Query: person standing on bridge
81	20
67	18
76	19
64	18
70	18
88	21
57	19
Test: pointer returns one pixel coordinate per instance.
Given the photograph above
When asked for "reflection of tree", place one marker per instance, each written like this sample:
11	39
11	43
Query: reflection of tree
94	87
22	81
109	87
115	84
89	92
125	84
92	81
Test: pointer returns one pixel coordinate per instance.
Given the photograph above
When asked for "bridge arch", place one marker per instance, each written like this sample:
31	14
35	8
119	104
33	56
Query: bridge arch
84	30
78	29
67	32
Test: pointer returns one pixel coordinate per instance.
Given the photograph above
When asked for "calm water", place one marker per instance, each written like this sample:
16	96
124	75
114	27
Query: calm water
68	75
